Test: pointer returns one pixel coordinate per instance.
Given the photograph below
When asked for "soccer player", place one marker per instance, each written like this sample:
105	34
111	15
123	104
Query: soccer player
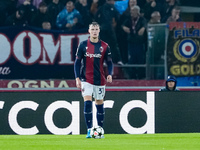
89	73
170	84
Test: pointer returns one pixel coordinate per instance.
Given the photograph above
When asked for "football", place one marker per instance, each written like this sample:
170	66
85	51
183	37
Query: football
97	132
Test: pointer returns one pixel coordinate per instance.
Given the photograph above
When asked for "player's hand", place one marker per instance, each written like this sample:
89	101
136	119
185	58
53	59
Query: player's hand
78	83
109	78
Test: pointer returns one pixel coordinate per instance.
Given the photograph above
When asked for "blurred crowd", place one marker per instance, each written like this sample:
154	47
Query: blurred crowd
123	22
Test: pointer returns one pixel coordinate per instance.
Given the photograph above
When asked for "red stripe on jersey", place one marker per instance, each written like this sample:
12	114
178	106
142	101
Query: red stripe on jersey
104	45
89	69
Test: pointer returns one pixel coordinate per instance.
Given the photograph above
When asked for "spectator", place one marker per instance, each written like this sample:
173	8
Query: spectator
141	3
170	84
175	17
121	6
166	10
131	3
83	7
150	7
29	10
53	10
107	16
96	4
7	8
69	18
20	2
16	19
155	18
135	27
48	2
46	25
34	2
10	6
40	16
3	13
121	35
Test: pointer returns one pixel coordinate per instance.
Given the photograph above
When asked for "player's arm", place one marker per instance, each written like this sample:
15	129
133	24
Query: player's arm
77	66
109	64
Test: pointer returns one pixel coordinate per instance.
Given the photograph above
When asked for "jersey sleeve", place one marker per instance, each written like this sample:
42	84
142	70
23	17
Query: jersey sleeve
77	63
108	56
108	59
79	52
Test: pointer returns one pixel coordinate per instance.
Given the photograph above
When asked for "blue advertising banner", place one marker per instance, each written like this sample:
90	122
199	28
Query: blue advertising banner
32	53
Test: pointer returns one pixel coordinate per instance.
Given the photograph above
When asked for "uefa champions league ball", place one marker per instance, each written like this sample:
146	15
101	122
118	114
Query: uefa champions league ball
97	132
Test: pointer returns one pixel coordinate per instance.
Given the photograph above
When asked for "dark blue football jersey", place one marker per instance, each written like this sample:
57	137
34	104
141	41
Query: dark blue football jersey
93	56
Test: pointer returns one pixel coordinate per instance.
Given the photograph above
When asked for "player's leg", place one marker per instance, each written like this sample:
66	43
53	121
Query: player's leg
100	111
87	90
99	93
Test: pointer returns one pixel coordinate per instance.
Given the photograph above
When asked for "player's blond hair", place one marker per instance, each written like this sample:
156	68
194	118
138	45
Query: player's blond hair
94	24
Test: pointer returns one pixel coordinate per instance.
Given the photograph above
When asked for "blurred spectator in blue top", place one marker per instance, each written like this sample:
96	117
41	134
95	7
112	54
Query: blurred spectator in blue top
121	6
69	18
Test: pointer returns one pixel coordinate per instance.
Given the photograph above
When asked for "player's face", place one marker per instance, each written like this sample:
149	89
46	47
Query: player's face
94	31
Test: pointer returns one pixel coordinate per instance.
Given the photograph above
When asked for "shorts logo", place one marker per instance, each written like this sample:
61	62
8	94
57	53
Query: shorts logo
82	90
186	50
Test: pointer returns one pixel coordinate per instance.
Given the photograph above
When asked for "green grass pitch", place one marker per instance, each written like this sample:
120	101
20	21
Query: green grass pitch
183	141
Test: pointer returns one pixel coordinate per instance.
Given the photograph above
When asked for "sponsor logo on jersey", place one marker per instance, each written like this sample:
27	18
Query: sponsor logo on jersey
87	54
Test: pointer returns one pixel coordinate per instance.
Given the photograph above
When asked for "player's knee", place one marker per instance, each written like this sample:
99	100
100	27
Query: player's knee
99	102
